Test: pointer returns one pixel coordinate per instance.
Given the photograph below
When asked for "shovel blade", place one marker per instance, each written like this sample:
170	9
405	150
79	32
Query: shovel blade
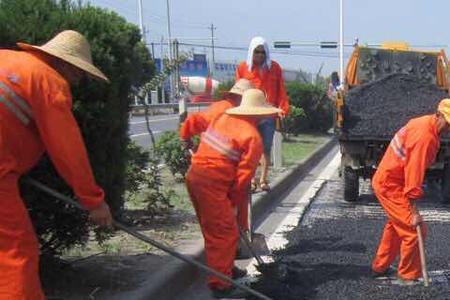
258	244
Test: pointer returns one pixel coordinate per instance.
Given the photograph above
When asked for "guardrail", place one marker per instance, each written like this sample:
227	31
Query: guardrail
170	105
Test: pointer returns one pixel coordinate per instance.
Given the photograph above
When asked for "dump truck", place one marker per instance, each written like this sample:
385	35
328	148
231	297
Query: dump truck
386	86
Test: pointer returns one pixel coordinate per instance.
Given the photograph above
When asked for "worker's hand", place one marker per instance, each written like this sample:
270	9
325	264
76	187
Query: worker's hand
187	144
416	219
101	215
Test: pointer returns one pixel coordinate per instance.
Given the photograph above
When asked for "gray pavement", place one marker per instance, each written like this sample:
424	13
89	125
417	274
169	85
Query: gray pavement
138	129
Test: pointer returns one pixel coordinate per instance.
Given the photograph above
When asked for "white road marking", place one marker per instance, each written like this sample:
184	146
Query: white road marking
144	133
277	240
157	120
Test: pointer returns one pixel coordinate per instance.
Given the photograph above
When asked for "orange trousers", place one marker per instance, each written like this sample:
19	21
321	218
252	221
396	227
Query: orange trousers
19	248
399	237
218	223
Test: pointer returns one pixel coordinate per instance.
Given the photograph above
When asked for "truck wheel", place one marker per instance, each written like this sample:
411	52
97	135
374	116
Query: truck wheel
351	185
445	184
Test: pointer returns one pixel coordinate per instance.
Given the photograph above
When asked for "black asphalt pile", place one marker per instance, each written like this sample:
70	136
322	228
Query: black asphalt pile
381	107
330	258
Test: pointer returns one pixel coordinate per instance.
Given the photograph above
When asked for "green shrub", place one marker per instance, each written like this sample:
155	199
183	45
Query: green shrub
169	148
100	109
317	108
295	122
144	183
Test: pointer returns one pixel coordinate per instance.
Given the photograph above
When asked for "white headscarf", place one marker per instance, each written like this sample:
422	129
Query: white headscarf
255	42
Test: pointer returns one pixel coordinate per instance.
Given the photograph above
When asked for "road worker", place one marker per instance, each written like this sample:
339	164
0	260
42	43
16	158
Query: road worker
265	74
218	181
197	123
398	185
35	114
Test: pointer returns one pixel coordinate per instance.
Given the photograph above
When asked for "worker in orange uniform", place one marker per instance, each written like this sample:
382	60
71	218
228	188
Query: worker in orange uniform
266	75
219	178
398	185
35	113
197	123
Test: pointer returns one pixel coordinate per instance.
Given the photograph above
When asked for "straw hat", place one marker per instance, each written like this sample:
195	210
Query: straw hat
253	104
444	109
72	47
240	87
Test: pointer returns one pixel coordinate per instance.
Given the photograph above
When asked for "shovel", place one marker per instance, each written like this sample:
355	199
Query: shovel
154	243
255	242
426	280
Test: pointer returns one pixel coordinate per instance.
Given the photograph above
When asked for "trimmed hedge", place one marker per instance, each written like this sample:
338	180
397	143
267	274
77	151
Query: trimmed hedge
100	109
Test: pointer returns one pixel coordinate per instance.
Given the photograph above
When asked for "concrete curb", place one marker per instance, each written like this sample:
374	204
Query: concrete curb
281	185
175	279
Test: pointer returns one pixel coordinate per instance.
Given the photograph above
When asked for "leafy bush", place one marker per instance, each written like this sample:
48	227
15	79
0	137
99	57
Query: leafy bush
169	148
100	109
144	182
295	122
318	109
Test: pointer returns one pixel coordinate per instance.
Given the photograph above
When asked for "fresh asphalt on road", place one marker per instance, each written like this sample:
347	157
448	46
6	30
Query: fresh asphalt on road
326	253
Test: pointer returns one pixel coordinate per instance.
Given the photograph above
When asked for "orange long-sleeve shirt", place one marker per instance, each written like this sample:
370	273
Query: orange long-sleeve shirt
228	153
36	116
412	150
270	81
198	122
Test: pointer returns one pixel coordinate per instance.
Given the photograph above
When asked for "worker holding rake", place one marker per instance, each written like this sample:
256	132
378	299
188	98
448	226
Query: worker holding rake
397	184
36	116
219	178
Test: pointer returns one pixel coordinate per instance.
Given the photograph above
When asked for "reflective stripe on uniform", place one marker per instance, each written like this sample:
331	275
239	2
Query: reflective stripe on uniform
216	143
19	101
397	147
20	115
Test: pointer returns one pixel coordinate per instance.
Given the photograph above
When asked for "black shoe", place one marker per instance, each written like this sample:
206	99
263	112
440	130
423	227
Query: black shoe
388	273
237	273
230	293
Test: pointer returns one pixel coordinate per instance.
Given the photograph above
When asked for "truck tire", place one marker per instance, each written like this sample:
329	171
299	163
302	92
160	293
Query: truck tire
351	185
445	184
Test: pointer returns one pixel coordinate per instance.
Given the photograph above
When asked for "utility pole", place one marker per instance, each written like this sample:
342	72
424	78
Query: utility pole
341	41
212	28
163	95
170	46
141	20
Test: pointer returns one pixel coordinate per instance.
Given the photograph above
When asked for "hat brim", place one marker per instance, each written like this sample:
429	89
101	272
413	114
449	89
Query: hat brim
75	61
257	111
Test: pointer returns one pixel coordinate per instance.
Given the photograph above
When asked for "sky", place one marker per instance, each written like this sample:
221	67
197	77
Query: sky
420	23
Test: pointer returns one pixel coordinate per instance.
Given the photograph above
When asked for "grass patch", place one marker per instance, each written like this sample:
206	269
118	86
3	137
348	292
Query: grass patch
298	147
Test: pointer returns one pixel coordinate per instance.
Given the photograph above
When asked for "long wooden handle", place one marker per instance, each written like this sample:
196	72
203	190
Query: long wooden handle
426	281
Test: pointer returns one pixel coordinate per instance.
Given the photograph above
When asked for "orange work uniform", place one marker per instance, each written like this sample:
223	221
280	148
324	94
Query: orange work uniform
196	124
218	181
35	114
397	181
269	81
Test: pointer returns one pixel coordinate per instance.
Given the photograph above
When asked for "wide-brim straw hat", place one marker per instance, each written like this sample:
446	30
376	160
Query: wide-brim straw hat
239	87
71	47
444	109
253	103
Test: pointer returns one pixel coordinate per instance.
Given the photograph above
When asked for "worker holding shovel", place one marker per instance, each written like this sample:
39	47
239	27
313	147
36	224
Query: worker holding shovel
219	178
36	116
398	185
197	123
